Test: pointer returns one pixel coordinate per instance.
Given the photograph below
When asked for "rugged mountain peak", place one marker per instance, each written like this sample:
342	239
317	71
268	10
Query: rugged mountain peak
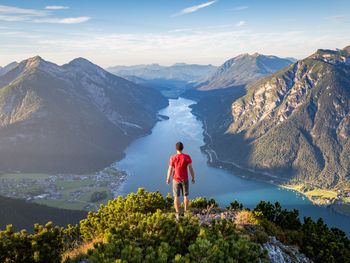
29	66
83	65
301	115
38	63
241	55
334	57
33	62
243	69
81	62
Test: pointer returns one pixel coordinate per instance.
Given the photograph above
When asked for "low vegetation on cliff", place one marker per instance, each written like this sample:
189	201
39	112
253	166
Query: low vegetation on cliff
142	228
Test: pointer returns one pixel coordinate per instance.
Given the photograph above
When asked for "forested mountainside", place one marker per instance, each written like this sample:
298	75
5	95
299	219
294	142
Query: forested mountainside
142	228
23	215
293	124
242	70
71	118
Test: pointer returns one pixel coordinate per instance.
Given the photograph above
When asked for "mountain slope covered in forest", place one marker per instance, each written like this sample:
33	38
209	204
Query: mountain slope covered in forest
293	124
71	118
23	215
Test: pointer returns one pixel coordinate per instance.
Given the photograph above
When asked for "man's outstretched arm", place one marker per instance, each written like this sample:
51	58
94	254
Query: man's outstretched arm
170	173
191	172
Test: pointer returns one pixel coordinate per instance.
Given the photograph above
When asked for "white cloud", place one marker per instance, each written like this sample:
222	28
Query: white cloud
180	30
195	8
12	18
68	20
201	45
12	33
16	14
240	23
239	8
56	7
4	9
191	47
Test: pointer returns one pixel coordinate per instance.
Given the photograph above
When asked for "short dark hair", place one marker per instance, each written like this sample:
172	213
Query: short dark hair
179	146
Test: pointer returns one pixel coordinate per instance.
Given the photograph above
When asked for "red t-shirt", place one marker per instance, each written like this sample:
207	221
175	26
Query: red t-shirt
180	162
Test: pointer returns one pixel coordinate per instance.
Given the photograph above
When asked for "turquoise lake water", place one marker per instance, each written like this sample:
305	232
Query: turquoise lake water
147	161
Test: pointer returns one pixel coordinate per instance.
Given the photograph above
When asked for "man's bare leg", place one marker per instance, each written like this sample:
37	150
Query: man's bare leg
176	204
185	203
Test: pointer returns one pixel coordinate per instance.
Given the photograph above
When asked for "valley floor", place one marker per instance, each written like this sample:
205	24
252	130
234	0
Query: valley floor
67	191
338	200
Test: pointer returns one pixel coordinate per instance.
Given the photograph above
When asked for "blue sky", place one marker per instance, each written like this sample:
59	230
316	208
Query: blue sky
168	31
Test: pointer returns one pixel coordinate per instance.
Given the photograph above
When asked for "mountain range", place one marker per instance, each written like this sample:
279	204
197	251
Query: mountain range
170	80
242	70
71	118
179	71
293	124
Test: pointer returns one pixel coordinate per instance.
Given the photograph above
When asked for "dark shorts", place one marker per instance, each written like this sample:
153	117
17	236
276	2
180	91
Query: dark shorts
180	187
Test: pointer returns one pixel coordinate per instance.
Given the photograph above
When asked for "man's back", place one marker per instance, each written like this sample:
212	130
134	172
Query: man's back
180	163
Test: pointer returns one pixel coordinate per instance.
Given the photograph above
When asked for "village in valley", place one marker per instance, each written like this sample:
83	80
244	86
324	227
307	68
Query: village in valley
68	191
338	200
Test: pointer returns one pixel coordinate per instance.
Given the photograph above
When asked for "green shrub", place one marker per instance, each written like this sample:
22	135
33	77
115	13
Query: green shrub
235	205
45	245
141	228
281	217
202	203
323	244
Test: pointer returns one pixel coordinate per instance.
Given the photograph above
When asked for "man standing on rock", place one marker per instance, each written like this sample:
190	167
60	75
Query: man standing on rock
178	168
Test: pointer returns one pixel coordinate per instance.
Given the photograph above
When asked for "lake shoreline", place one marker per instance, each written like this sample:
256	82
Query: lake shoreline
146	167
214	161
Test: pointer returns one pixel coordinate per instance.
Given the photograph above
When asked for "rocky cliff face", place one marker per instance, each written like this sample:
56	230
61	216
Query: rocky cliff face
71	118
281	253
242	70
295	123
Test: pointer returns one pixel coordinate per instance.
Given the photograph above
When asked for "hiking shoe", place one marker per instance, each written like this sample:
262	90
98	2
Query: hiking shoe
177	216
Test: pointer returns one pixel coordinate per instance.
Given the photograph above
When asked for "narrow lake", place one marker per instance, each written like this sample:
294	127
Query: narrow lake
147	161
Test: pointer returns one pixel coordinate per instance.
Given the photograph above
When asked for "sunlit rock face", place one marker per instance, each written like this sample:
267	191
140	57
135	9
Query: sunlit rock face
293	124
280	253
